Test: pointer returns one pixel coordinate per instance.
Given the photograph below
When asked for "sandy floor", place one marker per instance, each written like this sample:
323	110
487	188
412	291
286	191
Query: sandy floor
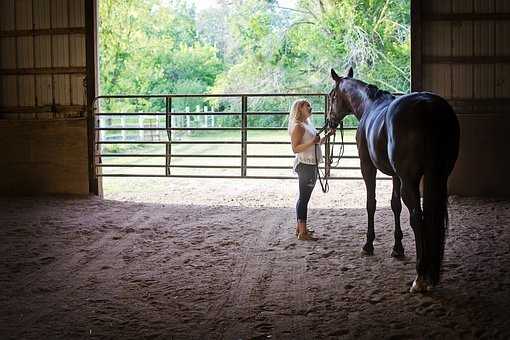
229	266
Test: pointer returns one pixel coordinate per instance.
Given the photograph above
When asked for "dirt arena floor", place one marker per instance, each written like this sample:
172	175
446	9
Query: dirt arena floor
203	260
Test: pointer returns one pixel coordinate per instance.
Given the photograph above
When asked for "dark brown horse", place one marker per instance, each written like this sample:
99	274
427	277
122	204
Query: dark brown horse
412	137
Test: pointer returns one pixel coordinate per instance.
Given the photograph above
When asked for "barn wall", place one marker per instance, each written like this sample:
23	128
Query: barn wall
44	157
460	50
43	96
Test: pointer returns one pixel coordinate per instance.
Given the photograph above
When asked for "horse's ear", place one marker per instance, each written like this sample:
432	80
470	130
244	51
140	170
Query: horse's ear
350	74
335	76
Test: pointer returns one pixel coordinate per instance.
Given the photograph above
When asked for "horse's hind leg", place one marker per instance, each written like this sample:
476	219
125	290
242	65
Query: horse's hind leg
369	171
411	196
396	206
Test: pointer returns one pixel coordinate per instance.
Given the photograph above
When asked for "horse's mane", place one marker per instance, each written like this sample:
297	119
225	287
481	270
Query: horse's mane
375	93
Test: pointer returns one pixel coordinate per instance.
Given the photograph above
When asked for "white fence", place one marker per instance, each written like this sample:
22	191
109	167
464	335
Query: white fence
144	121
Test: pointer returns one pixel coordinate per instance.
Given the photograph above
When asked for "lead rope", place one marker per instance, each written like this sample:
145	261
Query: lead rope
342	147
328	159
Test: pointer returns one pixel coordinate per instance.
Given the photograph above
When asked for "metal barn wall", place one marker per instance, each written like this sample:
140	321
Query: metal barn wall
43	96
461	50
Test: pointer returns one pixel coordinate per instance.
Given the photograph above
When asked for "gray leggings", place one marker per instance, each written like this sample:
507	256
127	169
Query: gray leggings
307	175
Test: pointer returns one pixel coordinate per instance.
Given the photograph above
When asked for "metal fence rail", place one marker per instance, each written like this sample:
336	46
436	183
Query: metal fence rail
168	155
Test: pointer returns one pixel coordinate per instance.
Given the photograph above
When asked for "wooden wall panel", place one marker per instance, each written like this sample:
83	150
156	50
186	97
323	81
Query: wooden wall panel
502	6
503	81
42	14
502	38
37	53
26	86
77	50
25	52
44	156
77	90
62	89
438	79
76	13
60	50
9	90
462	38
483	38
462	78
437	39
42	45
481	168
59	14
462	6
7	57
483	81
483	6
44	89
23	14
8	15
438	6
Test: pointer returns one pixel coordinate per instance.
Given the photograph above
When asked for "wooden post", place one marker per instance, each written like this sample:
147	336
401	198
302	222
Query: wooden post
188	120
140	124
123	126
416	46
94	154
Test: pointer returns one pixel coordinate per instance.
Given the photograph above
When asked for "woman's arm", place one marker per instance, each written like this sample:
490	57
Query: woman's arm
297	138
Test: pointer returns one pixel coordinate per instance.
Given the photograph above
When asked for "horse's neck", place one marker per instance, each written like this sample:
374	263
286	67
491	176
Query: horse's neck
359	102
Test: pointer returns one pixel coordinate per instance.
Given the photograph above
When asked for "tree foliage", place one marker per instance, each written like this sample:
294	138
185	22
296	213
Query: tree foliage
250	46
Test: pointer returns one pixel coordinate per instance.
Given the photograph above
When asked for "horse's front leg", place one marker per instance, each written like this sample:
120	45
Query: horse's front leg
396	207
369	171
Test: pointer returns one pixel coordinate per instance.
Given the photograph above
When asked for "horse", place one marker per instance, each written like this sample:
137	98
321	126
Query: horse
412	137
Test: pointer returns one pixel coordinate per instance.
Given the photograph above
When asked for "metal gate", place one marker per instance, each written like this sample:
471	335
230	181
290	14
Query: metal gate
169	148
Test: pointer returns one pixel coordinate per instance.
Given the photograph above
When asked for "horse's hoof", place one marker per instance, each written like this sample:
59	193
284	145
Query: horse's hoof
419	286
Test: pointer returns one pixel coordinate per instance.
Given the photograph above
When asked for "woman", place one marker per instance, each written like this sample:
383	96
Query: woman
304	141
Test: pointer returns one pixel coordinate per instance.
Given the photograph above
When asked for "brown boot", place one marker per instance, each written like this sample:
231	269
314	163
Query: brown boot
302	232
306	237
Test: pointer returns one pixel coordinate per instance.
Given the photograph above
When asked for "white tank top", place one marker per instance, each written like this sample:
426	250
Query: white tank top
307	156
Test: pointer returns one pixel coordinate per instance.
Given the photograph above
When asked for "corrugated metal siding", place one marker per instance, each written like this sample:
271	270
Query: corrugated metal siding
42	58
44	130
464	53
460	50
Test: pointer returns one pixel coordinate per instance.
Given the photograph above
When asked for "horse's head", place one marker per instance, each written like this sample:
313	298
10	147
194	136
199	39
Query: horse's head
338	105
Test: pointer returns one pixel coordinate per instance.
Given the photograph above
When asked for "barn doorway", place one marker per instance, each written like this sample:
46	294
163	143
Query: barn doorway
279	50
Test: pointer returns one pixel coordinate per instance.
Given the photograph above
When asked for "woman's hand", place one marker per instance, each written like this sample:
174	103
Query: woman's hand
330	133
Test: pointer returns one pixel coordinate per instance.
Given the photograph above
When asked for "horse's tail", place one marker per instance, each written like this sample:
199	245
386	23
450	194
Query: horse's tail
443	151
435	222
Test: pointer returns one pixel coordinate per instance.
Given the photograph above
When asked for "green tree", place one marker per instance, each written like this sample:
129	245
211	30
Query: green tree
249	46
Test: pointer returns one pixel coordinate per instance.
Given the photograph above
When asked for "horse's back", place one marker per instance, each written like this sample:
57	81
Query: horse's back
414	122
418	108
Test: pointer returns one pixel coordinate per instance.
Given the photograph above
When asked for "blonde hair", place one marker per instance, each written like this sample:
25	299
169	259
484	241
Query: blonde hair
296	113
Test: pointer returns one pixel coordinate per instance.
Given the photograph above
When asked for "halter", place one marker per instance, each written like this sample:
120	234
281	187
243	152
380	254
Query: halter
328	152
